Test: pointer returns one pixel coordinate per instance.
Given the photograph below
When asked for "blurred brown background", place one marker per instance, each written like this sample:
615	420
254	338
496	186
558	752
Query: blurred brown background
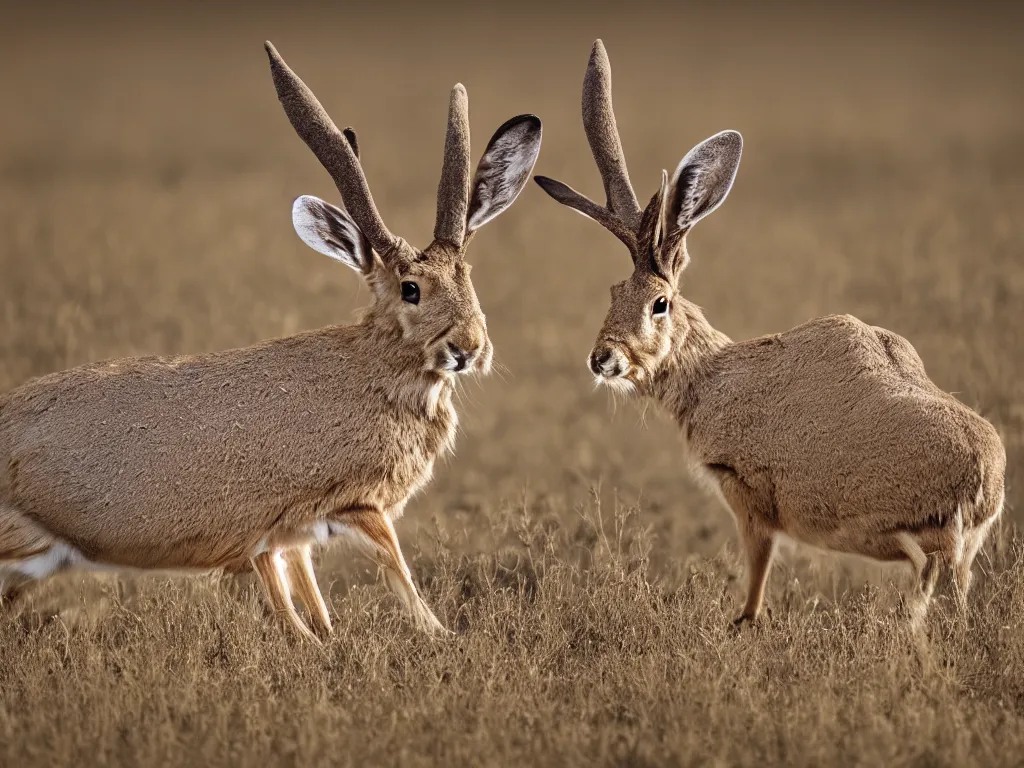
147	171
146	178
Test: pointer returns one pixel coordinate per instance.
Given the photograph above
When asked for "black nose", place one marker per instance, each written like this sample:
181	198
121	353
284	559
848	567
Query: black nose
598	359
460	357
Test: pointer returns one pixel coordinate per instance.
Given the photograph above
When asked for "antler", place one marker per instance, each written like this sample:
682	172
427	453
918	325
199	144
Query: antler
453	191
331	148
568	196
621	216
603	136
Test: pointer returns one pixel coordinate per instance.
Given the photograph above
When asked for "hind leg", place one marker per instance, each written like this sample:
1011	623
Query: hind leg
12	587
759	546
926	567
21	572
17	577
753	513
28	554
974	540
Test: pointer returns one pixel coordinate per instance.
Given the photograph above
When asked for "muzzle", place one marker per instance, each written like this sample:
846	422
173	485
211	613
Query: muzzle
608	361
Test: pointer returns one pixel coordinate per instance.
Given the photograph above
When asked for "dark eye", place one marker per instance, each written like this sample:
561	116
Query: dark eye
410	292
660	306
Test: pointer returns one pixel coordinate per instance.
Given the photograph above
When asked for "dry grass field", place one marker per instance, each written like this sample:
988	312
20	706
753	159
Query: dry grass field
146	176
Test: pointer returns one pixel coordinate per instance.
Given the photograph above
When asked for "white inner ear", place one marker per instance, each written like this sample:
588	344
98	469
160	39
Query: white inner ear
502	174
710	168
328	230
480	216
692	193
660	227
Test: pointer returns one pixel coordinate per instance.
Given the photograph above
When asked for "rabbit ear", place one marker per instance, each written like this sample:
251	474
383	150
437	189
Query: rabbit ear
702	180
654	238
503	170
661	223
329	230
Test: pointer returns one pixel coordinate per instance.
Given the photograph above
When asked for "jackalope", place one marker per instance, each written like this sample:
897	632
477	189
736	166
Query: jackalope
256	454
831	433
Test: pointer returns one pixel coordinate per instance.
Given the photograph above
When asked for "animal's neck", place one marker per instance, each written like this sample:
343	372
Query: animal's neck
676	384
400	372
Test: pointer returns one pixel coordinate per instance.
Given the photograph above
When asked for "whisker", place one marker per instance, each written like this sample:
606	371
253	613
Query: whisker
500	370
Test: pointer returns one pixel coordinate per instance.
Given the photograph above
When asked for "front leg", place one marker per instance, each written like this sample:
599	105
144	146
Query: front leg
759	546
273	574
303	580
374	532
754	513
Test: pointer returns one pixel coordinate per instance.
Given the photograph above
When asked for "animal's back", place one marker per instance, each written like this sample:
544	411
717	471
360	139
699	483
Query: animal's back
840	424
188	462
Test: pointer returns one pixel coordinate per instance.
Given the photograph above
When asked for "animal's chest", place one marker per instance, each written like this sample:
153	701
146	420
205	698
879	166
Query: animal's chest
411	457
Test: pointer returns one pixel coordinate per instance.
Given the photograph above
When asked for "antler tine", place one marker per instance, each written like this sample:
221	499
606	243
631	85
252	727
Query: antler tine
331	148
603	136
569	197
453	191
353	140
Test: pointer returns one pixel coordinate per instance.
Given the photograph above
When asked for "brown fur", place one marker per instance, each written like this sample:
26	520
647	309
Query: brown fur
830	433
209	461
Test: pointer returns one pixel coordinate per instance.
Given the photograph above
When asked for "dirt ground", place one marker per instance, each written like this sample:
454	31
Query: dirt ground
146	177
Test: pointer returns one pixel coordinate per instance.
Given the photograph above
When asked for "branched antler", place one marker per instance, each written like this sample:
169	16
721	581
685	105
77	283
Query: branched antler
332	149
603	136
622	214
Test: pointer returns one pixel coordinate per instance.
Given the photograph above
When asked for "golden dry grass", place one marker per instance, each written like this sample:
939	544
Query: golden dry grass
146	174
569	651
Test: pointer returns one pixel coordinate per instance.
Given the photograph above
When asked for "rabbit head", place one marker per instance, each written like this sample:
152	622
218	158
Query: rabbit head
647	318
427	294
